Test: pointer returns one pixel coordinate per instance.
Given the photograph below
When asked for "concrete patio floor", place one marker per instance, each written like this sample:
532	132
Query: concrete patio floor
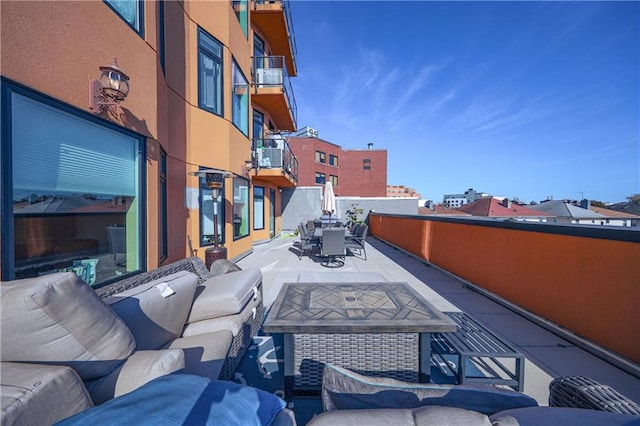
547	354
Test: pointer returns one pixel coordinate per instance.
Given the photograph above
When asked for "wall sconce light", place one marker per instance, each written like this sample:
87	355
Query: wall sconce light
109	89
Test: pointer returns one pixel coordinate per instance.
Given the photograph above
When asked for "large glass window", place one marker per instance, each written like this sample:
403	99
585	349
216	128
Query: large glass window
240	97
240	7
76	194
209	73
131	11
258	207
207	210
240	207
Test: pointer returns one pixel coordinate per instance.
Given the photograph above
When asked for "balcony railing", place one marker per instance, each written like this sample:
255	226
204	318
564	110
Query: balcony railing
271	71
584	279
289	22
274	152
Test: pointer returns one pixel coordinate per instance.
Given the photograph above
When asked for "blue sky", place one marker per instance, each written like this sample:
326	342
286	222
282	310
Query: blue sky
517	99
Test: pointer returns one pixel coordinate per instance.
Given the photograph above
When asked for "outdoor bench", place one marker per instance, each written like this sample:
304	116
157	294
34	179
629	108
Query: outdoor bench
473	343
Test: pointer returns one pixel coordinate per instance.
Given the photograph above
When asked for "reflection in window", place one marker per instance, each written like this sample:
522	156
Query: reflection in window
240	100
240	8
240	207
76	203
130	11
209	73
320	177
258	207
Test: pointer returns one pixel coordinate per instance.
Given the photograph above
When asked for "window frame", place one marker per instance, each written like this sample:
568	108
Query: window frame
140	11
333	160
218	59
7	252
163	237
322	177
255	208
244	114
204	190
321	157
247	204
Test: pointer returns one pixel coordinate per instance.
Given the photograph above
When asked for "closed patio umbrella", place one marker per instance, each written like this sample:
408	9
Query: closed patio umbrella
329	200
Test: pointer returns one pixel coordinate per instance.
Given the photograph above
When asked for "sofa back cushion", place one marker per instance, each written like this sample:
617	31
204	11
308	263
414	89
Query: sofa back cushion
343	389
58	319
156	311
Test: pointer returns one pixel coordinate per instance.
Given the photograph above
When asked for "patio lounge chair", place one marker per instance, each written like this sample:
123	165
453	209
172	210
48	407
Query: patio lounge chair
333	247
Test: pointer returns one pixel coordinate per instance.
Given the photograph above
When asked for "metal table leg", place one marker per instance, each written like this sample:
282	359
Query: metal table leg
424	373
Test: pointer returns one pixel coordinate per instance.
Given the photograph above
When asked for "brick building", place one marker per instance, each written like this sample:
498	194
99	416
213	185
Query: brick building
401	191
353	172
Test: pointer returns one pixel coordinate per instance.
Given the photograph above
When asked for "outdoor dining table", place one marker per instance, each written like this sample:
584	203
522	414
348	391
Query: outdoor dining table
317	232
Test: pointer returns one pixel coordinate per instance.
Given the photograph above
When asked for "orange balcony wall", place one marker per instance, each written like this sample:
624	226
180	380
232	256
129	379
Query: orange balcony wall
584	279
270	19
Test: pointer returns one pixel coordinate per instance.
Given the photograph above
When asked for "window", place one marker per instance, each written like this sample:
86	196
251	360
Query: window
76	194
320	157
320	178
334	180
240	207
240	100
161	47
209	206
333	160
162	210
209	73
240	7
366	160
258	207
131	11
366	167
258	128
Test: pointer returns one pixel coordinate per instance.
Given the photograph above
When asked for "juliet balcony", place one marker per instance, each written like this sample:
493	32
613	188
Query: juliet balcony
274	161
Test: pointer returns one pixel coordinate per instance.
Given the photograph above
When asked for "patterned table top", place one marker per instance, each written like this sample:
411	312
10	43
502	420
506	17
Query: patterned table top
379	307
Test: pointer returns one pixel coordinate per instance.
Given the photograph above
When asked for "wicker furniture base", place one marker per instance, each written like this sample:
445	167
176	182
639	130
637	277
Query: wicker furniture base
376	328
393	355
583	392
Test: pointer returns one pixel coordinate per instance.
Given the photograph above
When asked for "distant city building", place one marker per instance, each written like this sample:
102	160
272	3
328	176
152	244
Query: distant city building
567	212
401	191
457	200
505	208
428	208
352	172
616	218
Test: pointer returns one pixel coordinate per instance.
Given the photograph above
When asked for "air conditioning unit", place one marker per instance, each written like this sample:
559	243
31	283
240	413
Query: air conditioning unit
269	77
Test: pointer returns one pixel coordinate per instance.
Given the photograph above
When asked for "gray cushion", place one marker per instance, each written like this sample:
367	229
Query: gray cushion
35	394
140	368
234	323
440	416
343	389
153	318
57	318
560	416
225	294
204	354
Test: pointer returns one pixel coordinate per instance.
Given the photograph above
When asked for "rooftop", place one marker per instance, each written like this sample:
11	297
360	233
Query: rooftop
548	355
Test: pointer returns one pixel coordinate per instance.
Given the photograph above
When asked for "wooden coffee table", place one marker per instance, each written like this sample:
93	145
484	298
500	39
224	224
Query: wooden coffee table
378	328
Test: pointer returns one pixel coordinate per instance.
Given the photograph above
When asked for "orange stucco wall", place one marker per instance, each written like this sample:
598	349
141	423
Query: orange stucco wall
587	285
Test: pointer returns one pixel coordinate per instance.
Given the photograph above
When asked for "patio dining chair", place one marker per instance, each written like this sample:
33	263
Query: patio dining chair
358	240
333	247
307	241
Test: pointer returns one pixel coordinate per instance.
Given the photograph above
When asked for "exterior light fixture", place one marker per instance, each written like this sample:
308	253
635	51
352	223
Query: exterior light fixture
214	179
109	89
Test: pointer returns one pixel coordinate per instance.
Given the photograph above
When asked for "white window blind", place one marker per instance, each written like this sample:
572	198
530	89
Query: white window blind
59	152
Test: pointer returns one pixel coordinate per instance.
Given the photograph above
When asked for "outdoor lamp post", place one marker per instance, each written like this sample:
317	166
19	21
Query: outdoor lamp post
214	179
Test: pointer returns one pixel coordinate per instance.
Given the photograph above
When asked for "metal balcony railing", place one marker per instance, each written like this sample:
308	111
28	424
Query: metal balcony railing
274	152
287	13
271	71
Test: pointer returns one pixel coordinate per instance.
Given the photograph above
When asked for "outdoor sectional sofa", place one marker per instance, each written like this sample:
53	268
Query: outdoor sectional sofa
352	399
67	347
